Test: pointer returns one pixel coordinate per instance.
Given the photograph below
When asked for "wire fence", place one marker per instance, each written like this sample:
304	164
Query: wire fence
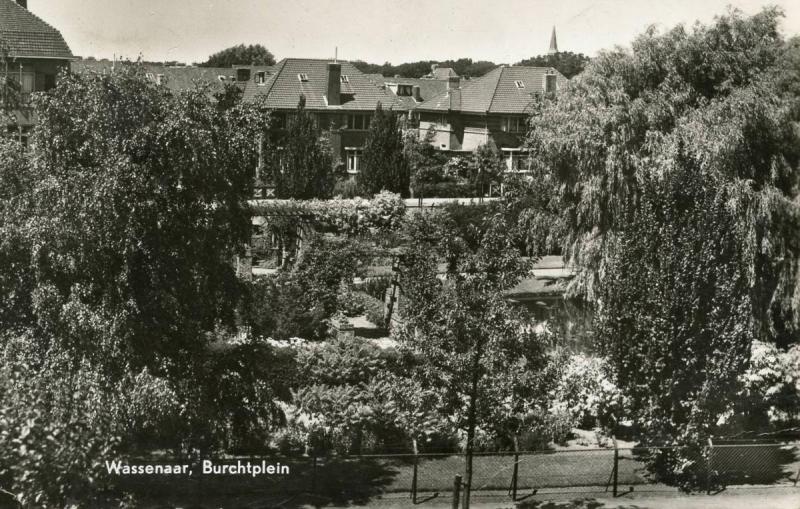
357	479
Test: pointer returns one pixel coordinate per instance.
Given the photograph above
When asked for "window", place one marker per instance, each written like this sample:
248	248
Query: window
28	83
404	90
358	121
517	161
344	78
261	78
512	124
442	120
353	159
49	81
302	77
550	83
279	120
519	84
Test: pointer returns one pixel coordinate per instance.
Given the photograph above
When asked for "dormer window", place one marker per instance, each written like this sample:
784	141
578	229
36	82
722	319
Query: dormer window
303	77
344	78
261	78
519	84
404	90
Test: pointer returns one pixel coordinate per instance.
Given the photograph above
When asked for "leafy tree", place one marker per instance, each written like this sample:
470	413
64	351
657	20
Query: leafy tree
675	166
425	163
252	54
487	166
566	62
117	235
384	163
302	162
300	301
470	343
463	67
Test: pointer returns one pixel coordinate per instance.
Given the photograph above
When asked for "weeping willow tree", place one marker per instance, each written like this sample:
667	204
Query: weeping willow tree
671	176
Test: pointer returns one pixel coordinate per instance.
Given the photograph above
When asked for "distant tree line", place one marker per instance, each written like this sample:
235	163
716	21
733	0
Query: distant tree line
252	54
569	64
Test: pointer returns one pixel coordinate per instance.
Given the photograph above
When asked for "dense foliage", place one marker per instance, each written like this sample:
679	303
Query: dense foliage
470	342
463	67
349	217
674	171
384	165
301	163
116	239
301	300
252	54
566	62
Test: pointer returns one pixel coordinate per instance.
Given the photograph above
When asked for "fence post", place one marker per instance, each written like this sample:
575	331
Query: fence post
414	480
456	491
709	464
515	477
314	474
616	465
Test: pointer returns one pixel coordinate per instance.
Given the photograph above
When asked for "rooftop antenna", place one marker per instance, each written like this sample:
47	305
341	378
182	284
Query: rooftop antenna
336	53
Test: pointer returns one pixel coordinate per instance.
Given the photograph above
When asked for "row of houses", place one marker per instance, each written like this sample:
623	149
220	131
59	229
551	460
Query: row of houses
456	113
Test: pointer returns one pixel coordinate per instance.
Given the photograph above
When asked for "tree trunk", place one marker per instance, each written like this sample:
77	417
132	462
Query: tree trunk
471	423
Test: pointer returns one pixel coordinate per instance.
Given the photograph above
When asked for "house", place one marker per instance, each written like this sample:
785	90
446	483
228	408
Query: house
340	98
32	53
495	107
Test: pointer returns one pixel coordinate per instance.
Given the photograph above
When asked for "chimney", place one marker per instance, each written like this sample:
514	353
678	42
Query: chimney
453	82
416	93
23	3
334	83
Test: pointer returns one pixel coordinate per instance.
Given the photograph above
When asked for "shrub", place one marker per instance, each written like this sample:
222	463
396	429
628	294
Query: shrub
587	392
57	425
350	303
346	188
447	190
374	310
376	287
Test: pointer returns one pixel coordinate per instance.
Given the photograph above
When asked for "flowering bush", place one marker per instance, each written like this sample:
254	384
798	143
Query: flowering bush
588	393
769	396
356	216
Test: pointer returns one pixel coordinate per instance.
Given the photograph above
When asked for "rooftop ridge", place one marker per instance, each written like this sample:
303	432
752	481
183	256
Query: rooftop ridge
31	14
496	83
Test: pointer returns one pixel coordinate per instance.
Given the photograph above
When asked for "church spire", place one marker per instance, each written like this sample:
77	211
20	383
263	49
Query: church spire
553	43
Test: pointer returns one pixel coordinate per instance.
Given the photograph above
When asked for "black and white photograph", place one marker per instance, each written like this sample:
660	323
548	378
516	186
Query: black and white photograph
451	254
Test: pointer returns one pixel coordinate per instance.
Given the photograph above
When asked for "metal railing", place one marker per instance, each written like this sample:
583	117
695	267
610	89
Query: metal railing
422	477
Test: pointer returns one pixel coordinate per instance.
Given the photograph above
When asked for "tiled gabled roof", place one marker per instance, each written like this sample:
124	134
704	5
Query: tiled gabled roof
496	91
283	88
24	35
442	73
428	89
177	78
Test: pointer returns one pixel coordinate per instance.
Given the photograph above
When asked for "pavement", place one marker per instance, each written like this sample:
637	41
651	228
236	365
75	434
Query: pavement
766	497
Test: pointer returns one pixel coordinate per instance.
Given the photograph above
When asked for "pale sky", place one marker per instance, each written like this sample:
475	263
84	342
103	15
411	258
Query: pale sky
503	31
